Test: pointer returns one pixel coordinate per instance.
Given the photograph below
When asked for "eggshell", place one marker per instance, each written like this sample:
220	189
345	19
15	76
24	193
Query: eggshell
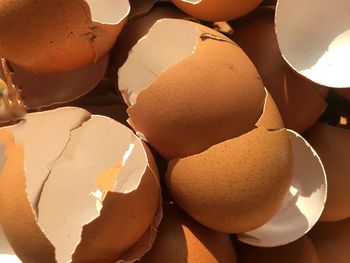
40	91
140	21
180	239
302	206
55	36
300	251
217	10
345	93
176	109
49	174
314	39
237	185
333	146
297	98
332	241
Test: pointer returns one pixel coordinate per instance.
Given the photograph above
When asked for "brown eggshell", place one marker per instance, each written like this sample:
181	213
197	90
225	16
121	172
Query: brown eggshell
345	93
182	240
300	251
199	112
217	10
297	98
333	146
332	241
55	36
40	91
92	233
237	185
137	27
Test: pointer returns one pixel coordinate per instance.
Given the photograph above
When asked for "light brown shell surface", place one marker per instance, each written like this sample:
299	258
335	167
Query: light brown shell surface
237	185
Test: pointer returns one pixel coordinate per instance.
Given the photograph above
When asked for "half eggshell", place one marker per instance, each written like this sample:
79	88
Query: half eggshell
75	195
333	146
303	205
176	109
55	36
314	39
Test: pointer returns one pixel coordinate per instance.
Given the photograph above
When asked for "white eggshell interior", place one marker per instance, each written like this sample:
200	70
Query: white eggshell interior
314	38
7	255
168	42
194	2
109	12
44	136
302	206
100	143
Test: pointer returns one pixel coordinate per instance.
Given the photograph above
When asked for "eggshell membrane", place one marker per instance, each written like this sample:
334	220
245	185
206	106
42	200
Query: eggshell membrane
302	206
6	252
47	90
121	201
320	53
180	239
137	27
333	144
215	104
217	10
297	98
300	251
332	241
237	185
56	36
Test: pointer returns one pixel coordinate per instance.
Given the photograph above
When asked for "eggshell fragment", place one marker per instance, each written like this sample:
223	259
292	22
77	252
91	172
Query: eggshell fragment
333	146
314	39
172	104
7	254
303	205
94	173
139	23
300	251
217	10
180	239
47	90
237	185
332	241
298	99
56	36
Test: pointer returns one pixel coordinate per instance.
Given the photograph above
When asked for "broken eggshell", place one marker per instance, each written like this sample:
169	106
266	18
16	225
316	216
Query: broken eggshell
217	10
55	36
40	91
299	251
194	242
303	205
333	144
332	241
300	101
95	172
138	26
172	86
314	39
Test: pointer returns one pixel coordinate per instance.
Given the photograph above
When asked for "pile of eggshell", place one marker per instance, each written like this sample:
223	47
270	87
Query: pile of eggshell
174	131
